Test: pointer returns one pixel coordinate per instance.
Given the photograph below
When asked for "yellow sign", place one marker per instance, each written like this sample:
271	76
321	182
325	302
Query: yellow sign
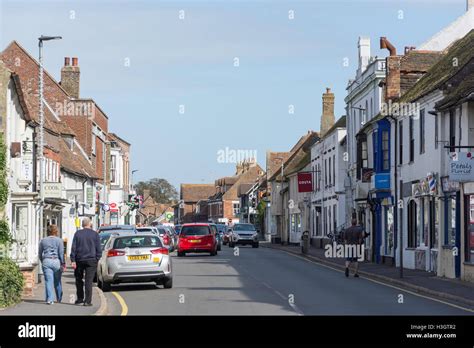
77	222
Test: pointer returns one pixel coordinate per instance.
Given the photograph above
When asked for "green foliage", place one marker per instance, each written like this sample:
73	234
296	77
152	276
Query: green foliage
160	189
261	211
5	236
11	283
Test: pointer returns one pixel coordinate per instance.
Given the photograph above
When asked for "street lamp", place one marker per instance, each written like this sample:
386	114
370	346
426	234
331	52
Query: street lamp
41	122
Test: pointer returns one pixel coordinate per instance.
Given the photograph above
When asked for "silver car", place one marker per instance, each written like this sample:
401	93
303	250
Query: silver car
132	258
243	234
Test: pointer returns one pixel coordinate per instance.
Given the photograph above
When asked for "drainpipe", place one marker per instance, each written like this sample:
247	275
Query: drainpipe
385	44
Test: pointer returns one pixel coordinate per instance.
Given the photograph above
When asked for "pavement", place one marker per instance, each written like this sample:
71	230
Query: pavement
422	282
35	305
266	281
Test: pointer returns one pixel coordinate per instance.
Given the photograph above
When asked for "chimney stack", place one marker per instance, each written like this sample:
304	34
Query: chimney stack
469	5
393	61
70	77
364	54
327	118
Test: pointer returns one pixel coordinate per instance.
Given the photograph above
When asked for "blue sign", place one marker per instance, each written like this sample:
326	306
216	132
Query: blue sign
382	181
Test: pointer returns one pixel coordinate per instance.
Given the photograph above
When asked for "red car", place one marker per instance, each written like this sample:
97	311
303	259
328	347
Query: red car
197	238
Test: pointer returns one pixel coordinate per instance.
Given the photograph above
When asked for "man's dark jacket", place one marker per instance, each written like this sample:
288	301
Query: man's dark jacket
86	246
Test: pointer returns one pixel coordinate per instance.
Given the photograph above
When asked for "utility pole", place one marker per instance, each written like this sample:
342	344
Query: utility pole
41	125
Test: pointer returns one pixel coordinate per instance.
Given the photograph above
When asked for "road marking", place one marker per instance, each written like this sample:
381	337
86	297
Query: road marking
381	283
122	303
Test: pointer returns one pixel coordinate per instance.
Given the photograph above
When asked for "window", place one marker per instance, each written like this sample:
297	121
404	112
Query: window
451	232
93	144
330	170
374	141
365	155
412	140
334	216
366	111
436	131
470	228
452	130
113	169
334	170
329	219
400	141
325	221
422	131
412	224
236	209
389	237
325	173
385	151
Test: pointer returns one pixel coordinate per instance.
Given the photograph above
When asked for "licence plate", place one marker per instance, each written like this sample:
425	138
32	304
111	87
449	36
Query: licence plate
195	241
138	257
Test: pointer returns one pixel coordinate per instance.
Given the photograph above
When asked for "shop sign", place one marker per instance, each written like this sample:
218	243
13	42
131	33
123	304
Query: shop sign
305	182
52	189
382	181
461	167
449	186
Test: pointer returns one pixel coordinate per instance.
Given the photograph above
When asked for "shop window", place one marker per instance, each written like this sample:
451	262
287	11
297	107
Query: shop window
470	228
434	208
412	224
388	228
451	232
412	140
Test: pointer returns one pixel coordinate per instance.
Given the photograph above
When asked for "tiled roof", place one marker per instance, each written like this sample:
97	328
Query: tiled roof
250	176
195	192
74	162
456	57
274	160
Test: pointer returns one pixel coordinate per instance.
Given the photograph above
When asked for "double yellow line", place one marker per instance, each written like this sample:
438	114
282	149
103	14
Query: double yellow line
122	303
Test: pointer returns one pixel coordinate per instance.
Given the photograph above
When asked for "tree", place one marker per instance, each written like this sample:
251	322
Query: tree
160	189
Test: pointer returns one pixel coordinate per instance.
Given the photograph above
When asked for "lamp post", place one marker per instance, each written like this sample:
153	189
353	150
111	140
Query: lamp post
41	123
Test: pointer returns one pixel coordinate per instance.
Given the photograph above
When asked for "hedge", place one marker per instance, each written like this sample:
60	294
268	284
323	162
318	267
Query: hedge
11	283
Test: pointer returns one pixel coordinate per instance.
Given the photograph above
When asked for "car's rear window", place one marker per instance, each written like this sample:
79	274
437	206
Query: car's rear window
145	230
195	231
104	237
137	242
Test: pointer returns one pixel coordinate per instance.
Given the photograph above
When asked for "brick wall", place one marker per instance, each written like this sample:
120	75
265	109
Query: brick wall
392	86
30	282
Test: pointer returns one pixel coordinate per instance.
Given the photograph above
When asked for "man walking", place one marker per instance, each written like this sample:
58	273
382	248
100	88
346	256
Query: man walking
353	237
85	253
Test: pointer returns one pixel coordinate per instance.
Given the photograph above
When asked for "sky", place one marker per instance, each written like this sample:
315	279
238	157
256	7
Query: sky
187	82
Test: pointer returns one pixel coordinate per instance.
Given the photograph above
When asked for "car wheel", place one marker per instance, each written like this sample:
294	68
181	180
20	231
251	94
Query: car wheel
255	245
180	254
231	245
219	247
168	283
105	286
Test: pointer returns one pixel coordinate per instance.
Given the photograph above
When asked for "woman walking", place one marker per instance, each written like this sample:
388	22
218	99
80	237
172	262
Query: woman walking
51	254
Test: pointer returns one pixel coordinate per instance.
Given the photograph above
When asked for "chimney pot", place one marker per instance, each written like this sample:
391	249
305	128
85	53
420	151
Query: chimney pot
67	61
74	61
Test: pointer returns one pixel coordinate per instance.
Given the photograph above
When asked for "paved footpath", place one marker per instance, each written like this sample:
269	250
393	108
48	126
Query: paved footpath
35	305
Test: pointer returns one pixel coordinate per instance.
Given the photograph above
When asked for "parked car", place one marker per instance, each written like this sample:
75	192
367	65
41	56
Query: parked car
198	238
167	237
116	228
131	258
244	234
173	233
177	228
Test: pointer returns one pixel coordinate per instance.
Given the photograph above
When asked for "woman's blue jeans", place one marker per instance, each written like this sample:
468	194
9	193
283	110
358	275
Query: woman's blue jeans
52	278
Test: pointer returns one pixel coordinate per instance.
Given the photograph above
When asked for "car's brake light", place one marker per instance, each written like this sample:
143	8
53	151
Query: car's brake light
166	239
114	252
163	251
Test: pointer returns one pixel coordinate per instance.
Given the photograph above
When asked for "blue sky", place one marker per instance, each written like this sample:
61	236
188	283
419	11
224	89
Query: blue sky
190	62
